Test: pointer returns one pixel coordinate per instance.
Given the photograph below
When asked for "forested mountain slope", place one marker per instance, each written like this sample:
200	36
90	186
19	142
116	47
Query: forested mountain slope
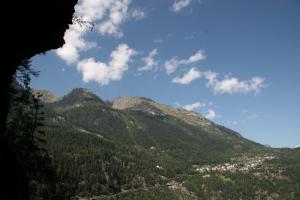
135	148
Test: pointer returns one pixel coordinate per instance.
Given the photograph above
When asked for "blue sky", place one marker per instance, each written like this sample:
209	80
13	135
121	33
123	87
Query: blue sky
235	61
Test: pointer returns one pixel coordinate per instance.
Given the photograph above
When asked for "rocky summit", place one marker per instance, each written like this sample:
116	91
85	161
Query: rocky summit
45	95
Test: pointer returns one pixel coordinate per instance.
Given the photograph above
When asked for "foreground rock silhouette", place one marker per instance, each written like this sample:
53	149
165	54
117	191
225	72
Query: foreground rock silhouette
30	27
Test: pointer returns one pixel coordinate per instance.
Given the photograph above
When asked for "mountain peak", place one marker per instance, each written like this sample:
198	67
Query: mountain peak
78	96
45	95
82	94
81	91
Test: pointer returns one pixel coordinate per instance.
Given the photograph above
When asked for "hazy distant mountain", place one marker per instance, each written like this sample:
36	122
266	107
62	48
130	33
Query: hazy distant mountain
136	148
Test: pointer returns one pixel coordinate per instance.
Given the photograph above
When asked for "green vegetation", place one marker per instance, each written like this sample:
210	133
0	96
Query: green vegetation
25	137
104	153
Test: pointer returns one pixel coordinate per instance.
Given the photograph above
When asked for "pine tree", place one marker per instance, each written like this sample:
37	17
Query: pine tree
25	135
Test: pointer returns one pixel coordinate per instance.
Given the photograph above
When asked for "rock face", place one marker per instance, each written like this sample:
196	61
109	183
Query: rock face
137	103
82	94
148	105
76	97
45	96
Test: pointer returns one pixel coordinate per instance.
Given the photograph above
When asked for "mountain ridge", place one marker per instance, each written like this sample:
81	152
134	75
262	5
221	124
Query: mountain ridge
128	103
138	103
136	148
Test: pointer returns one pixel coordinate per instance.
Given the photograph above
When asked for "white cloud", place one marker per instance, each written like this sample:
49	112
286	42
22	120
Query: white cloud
234	85
107	17
211	115
103	73
230	85
74	43
194	106
188	77
149	61
138	14
92	10
180	4
297	146
172	64
211	77
117	14
199	55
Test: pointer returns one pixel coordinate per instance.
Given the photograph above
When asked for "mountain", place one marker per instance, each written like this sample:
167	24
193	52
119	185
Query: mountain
76	97
136	148
151	107
45	95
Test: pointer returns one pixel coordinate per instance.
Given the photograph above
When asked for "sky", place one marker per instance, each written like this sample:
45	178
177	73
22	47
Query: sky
237	62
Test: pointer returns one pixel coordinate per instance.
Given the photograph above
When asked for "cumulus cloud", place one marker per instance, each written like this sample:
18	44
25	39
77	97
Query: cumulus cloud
297	146
188	77
194	74
193	106
107	17
199	55
230	85
211	77
74	43
117	14
149	61
103	73
211	115
234	85
172	64
138	14
180	4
